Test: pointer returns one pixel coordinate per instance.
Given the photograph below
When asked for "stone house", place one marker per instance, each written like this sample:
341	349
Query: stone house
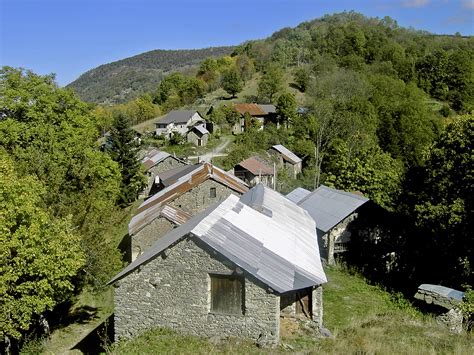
198	135
254	171
232	270
333	211
179	121
156	162
185	194
287	159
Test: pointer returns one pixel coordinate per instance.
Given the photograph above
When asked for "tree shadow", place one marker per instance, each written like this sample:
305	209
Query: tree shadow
99	339
125	248
295	86
65	314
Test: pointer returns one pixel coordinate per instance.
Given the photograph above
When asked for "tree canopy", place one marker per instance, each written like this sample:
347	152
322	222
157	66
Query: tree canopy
40	255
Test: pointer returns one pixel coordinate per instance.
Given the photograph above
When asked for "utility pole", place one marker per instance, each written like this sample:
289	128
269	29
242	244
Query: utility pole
274	176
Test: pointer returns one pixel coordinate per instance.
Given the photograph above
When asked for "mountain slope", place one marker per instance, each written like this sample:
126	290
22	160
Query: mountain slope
127	78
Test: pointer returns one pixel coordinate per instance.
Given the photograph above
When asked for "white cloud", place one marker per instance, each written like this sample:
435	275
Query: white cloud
415	3
468	4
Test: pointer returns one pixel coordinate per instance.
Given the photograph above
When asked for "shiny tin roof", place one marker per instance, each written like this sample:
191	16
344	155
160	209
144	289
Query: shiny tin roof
329	206
288	154
264	233
297	194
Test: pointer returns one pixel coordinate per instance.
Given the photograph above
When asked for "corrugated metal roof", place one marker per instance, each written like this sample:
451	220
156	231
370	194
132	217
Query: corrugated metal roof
256	166
329	206
154	157
287	154
151	208
278	247
177	116
175	215
268	108
252	109
201	129
297	194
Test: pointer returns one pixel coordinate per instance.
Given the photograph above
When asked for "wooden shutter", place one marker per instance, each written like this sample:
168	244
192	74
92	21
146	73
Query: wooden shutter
227	294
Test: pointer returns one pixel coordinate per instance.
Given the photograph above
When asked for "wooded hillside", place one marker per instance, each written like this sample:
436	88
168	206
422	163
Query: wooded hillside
128	78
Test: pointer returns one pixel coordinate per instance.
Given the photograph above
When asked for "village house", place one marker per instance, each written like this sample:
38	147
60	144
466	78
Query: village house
179	121
333	211
187	191
260	113
156	162
231	271
254	171
286	159
198	135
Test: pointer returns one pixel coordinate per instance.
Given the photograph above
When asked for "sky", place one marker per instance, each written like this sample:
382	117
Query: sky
69	37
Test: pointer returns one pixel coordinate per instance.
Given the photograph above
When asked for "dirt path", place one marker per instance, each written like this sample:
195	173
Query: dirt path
216	152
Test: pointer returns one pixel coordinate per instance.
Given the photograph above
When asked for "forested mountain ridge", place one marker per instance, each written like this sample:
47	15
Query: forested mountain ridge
128	78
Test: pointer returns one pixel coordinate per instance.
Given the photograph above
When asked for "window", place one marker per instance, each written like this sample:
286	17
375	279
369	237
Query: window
227	294
212	192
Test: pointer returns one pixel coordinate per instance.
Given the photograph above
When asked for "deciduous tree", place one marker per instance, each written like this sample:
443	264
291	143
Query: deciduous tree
40	255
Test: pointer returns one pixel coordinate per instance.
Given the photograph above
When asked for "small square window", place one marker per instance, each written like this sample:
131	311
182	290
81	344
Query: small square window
227	294
212	192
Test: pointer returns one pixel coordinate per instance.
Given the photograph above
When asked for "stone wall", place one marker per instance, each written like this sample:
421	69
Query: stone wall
198	198
145	237
336	239
172	290
193	138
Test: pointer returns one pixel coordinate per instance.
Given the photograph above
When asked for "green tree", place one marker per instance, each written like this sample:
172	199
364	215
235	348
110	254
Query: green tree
271	83
52	135
445	204
123	148
245	67
209	73
231	82
40	255
371	171
301	77
286	108
142	109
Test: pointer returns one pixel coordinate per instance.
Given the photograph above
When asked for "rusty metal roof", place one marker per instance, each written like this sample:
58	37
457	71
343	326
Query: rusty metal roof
256	166
252	109
151	208
264	233
175	215
287	154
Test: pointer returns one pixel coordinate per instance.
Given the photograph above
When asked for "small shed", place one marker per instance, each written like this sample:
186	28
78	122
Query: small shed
254	171
232	270
333	210
287	159
198	135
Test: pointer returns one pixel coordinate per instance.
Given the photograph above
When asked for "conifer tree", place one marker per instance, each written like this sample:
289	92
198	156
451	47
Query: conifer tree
123	148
